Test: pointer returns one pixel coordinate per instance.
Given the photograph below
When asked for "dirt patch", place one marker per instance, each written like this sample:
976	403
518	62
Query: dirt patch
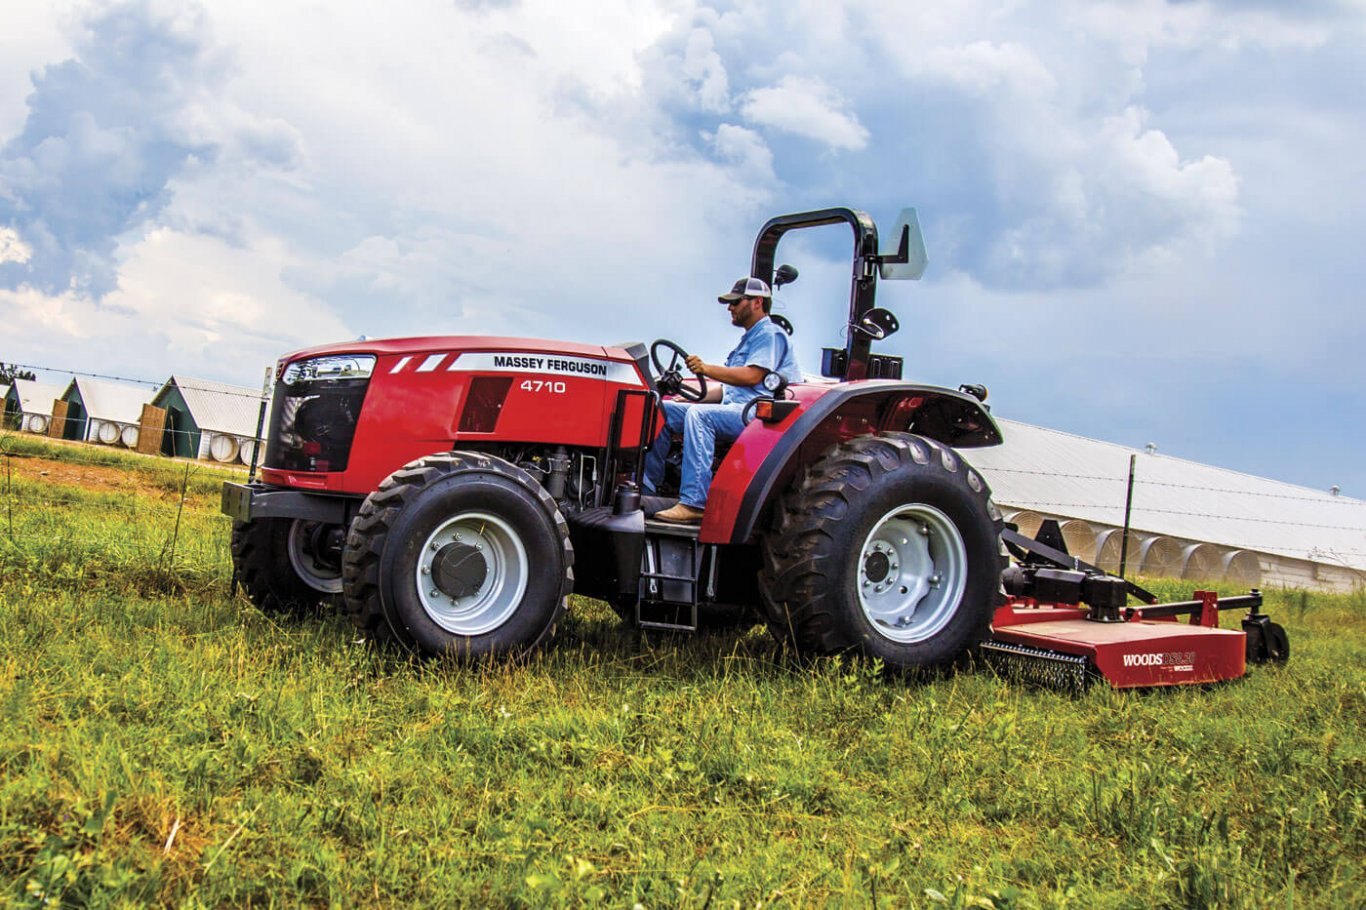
101	478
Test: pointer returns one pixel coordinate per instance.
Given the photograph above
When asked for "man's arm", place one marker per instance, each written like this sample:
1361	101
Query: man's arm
736	376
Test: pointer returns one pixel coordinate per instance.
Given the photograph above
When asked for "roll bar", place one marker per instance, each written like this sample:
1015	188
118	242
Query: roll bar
868	262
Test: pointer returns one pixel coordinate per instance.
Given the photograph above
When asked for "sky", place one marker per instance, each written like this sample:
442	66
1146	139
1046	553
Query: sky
1144	219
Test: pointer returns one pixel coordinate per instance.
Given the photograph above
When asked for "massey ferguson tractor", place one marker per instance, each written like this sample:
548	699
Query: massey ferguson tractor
454	490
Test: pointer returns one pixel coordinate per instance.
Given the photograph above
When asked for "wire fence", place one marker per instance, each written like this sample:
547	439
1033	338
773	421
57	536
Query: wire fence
77	522
217	388
1257	494
1316	538
149	510
173	442
242	433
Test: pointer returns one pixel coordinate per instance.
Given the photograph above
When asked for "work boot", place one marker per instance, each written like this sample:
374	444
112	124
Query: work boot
680	514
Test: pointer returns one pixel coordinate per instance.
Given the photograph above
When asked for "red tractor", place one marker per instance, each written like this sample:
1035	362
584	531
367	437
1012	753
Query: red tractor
455	489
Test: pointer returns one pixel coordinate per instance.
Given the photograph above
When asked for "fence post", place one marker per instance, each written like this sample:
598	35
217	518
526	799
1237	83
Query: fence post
1128	507
175	535
260	423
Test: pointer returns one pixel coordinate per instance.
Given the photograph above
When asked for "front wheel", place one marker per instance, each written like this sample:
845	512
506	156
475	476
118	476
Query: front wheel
461	554
286	565
887	546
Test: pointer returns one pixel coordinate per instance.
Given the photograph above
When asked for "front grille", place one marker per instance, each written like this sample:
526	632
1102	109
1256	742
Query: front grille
313	423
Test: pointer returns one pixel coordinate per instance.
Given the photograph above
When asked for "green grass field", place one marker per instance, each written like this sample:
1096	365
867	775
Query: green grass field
162	742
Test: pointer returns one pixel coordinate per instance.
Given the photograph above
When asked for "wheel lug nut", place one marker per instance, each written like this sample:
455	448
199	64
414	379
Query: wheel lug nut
426	570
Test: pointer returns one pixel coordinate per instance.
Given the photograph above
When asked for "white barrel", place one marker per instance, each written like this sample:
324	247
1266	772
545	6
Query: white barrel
36	423
1028	522
1242	567
1159	557
108	433
223	448
1080	538
129	436
246	451
1109	544
1202	562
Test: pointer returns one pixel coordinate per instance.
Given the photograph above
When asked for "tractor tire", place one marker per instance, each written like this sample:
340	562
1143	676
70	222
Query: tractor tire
272	562
459	554
888	546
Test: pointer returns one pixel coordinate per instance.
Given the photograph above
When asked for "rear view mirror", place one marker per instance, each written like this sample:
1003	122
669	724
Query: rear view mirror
907	257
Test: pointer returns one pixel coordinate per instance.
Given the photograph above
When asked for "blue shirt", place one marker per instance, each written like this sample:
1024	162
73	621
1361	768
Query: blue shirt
767	347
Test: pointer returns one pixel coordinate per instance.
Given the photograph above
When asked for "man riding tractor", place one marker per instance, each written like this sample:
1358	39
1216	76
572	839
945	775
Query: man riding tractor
763	352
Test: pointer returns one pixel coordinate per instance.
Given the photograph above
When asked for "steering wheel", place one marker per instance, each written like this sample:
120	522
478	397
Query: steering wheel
670	378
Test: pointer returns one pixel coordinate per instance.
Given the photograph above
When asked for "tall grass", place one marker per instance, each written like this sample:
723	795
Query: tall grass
163	742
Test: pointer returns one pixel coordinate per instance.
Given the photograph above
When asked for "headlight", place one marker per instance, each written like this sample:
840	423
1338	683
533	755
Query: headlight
319	369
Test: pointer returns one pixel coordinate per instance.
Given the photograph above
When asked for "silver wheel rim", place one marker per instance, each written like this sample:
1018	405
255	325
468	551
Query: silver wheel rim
499	591
316	574
911	573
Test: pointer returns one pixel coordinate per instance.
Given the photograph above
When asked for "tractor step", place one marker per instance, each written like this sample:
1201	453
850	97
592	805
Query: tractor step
670	578
1037	666
666	617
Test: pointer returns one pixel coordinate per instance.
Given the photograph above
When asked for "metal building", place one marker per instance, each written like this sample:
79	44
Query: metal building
28	405
207	419
1188	520
103	412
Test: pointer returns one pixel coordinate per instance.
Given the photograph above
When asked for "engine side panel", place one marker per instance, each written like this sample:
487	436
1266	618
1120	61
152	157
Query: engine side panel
431	395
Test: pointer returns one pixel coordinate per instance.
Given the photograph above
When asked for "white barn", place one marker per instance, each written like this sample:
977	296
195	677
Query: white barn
28	405
1188	520
208	419
104	412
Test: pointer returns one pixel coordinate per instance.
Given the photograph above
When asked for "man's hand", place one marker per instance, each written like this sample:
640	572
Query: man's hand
696	365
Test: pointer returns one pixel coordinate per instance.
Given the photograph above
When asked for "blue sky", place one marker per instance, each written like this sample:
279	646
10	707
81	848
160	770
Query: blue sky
1144	218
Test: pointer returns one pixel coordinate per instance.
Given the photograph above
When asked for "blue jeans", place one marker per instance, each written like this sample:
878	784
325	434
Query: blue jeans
702	425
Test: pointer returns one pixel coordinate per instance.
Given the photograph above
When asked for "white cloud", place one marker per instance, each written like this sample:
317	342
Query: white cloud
983	68
746	149
12	247
31	312
703	68
806	106
256	176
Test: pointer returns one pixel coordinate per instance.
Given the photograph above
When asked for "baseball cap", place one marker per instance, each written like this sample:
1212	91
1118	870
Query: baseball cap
746	287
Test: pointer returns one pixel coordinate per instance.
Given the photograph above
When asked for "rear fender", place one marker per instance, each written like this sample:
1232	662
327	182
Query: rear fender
763	463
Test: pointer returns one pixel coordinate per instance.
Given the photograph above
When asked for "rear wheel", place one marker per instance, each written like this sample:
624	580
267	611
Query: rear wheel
887	546
461	554
285	564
